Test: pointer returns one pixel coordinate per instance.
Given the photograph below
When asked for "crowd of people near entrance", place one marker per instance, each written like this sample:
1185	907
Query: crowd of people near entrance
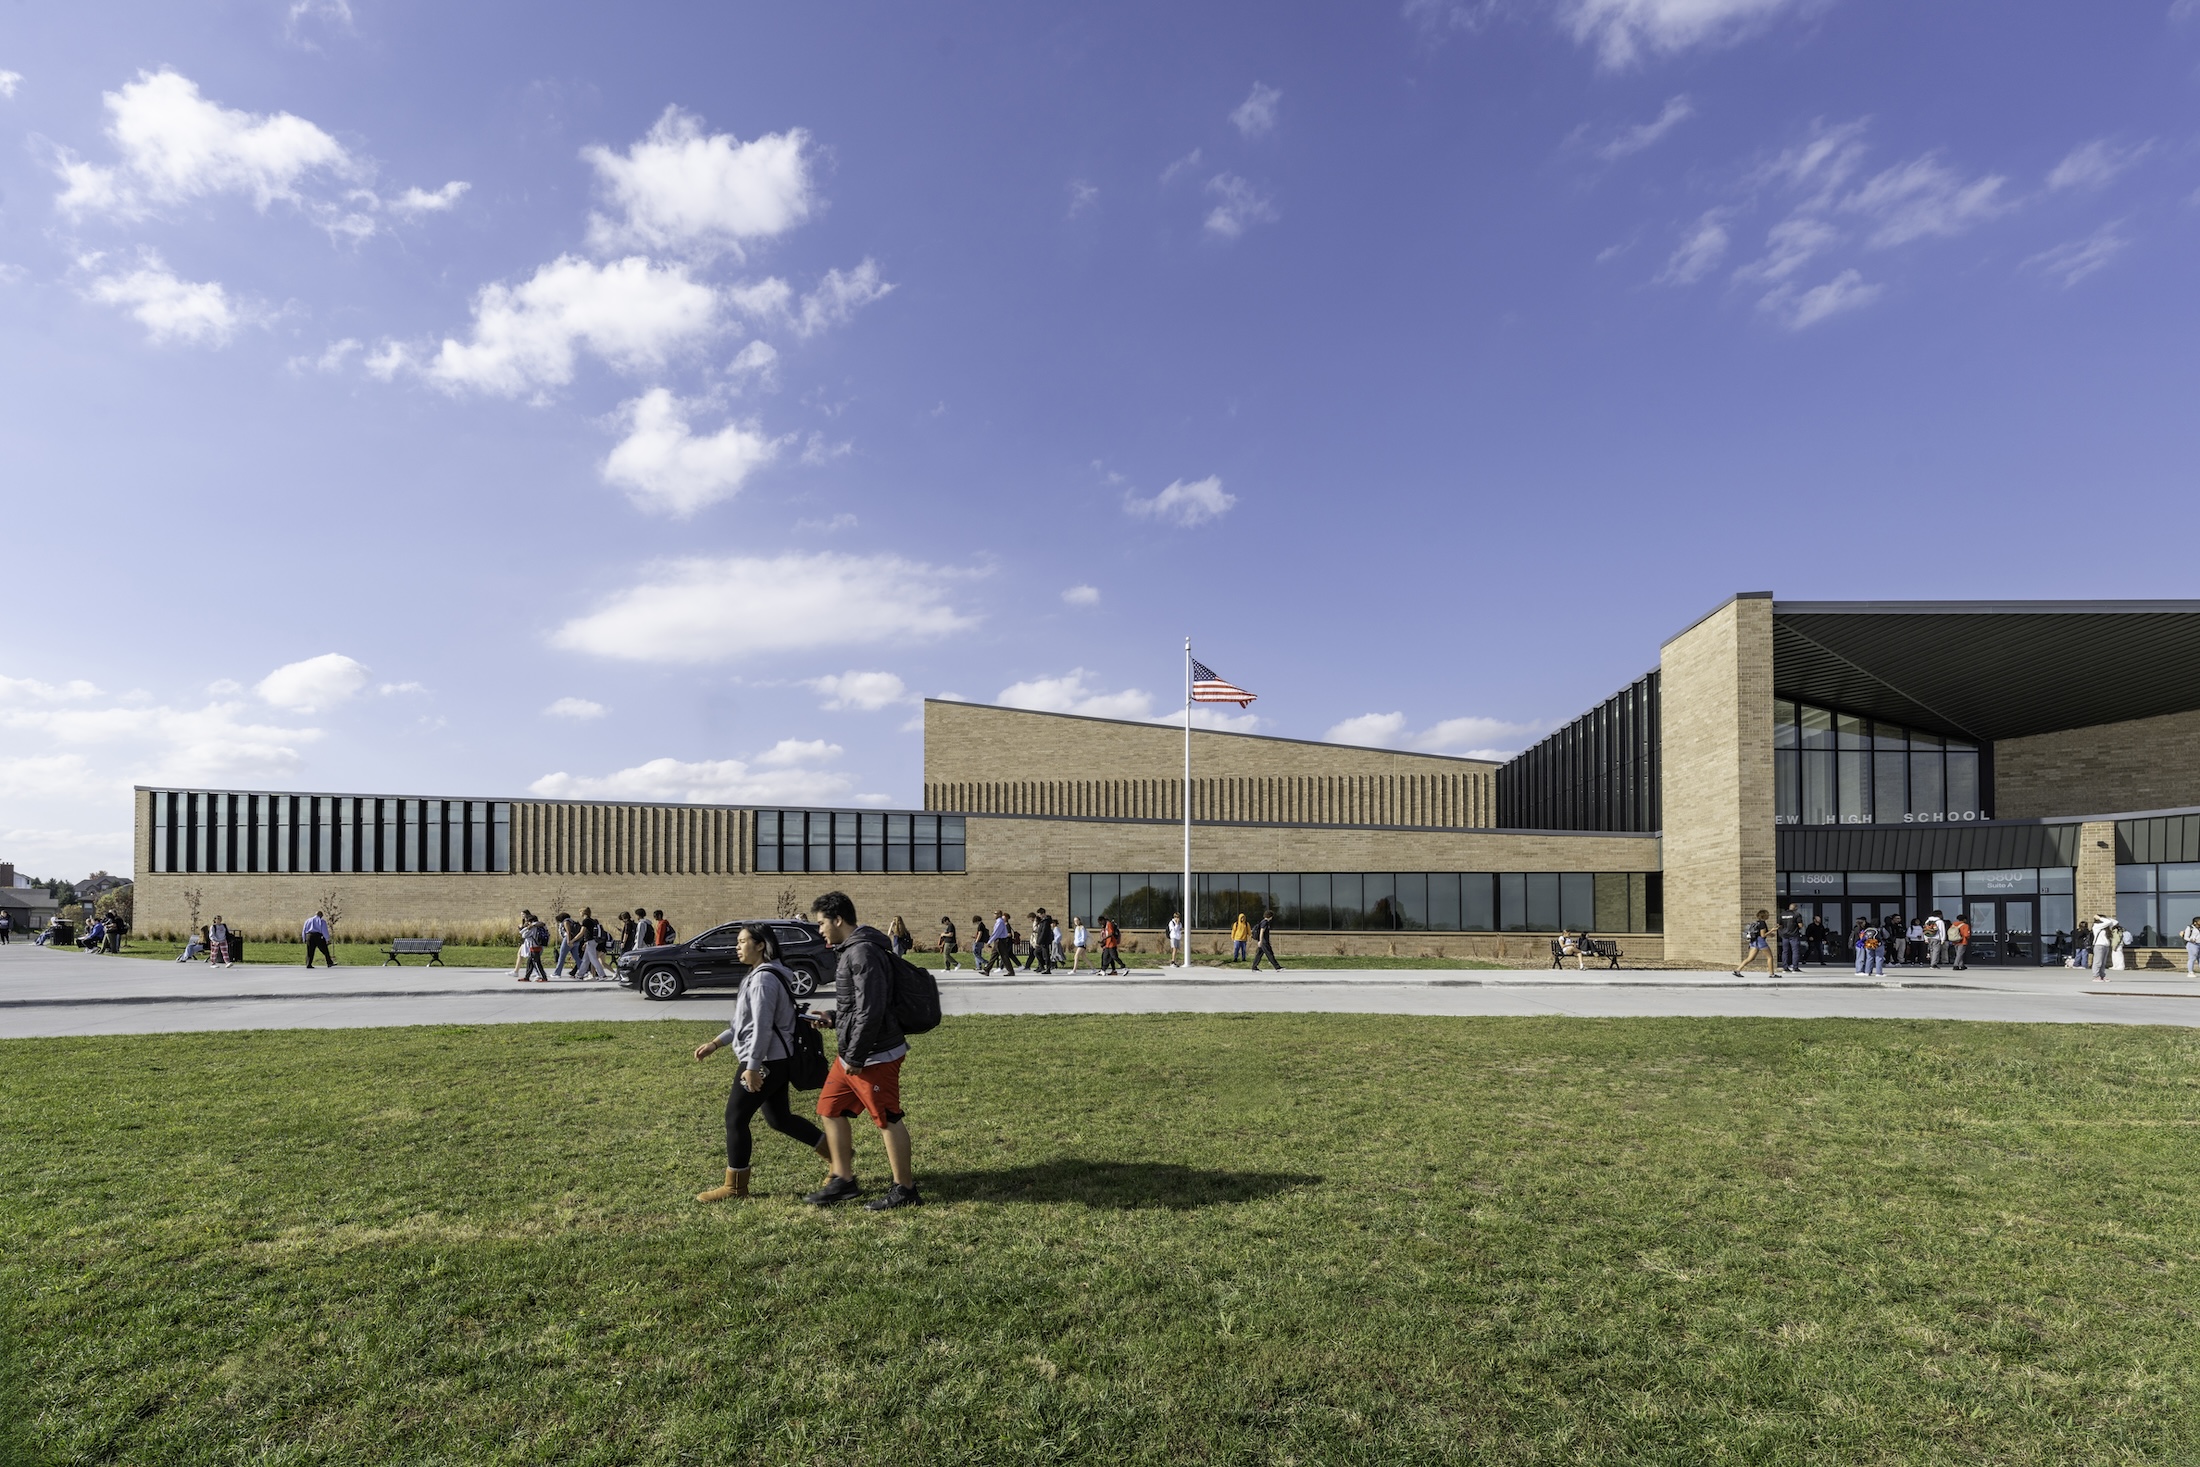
584	941
1932	940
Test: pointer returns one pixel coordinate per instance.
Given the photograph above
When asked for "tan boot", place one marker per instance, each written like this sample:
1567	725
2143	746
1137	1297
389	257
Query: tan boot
737	1185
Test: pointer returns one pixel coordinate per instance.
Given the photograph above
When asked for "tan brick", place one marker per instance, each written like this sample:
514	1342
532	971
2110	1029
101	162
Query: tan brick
2141	764
1715	694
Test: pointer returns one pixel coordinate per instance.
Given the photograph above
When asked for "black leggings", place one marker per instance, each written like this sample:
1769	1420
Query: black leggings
772	1101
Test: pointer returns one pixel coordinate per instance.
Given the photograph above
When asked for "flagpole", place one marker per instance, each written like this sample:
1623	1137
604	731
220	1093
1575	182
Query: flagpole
1187	893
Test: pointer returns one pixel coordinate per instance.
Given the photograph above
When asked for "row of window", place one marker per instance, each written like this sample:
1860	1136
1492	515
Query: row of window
1392	901
2155	902
2019	881
857	840
202	831
1837	769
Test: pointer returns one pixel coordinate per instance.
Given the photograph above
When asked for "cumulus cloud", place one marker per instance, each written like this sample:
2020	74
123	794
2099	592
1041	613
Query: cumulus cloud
1625	32
1237	204
838	296
1074	692
664	466
419	201
170	308
758	362
1082	596
2092	164
174	145
681	189
632	313
1256	115
1468	738
715	610
863	691
9	81
2067	264
790	773
1798	310
314	684
1645	134
1184	504
580	710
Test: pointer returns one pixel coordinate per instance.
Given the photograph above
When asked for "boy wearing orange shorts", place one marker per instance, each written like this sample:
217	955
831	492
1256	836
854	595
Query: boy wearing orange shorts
866	1074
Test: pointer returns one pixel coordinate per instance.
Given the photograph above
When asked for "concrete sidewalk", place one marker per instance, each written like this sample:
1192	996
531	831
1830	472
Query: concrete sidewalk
44	993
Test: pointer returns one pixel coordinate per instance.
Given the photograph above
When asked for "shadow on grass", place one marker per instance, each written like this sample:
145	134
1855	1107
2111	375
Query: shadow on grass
1120	1184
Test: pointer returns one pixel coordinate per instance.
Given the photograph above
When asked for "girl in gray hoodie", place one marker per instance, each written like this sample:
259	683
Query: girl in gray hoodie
762	1038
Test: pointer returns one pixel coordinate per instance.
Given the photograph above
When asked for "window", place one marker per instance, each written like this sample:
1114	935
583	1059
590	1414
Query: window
216	831
858	840
1396	901
1833	768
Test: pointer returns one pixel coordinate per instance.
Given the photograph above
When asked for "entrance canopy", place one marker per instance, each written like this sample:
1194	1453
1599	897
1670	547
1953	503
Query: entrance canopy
1990	669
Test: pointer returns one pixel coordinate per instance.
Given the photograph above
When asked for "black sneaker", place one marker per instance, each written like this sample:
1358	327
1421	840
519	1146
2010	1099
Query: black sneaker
839	1189
896	1196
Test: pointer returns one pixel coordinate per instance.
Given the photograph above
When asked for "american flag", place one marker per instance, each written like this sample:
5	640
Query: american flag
1208	688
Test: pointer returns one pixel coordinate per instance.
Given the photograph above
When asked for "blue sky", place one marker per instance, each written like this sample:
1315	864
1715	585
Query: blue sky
655	401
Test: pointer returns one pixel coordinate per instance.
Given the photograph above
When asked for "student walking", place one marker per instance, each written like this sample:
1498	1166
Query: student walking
948	942
7	926
762	1037
1003	950
2190	937
1111	946
1078	938
588	967
866	1074
217	948
1759	940
1241	932
315	932
898	933
533	938
1261	948
2104	942
1042	942
1791	940
1936	937
1959	939
1176	936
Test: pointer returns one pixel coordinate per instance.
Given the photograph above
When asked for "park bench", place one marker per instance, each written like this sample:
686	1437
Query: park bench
429	947
1604	952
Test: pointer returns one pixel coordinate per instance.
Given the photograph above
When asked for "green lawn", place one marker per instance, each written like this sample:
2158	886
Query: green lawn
1273	1239
347	954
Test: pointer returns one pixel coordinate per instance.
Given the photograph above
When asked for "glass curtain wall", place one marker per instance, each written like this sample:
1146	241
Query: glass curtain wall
219	831
1383	901
2155	902
1833	768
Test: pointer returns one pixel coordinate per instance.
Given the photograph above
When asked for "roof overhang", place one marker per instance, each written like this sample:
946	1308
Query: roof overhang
1990	669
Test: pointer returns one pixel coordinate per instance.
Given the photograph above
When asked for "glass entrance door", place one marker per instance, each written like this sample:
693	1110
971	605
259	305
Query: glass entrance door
2004	930
1984	915
2020	939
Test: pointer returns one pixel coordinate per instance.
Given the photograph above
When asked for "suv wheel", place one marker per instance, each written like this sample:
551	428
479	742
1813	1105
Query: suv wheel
805	979
662	983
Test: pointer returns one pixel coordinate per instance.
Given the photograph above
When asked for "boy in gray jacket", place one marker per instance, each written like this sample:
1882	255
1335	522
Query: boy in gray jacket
866	1077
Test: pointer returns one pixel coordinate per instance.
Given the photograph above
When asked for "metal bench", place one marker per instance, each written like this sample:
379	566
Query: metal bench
1604	952
429	947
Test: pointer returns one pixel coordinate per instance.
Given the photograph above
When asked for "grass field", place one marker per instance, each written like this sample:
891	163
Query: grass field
1273	1239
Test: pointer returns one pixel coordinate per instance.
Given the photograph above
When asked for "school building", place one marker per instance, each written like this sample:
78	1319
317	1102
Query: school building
2025	763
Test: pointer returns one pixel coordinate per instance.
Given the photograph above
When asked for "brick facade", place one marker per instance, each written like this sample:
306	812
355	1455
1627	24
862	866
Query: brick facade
2142	764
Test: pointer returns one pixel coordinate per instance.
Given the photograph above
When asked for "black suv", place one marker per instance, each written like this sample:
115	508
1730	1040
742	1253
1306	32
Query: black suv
709	961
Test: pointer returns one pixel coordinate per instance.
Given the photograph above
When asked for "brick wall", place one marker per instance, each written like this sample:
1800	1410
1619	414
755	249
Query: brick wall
1011	762
1716	776
2141	764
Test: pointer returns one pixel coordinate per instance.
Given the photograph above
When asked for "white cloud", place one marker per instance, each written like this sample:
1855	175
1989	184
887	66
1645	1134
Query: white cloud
170	308
758	360
1238	205
713	781
333	358
1644	134
9	81
820	450
398	690
1082	596
1924	198
839	296
788	753
663	466
313	684
418	200
698	610
1800	309
2073	262
578	709
1256	115
1468	738
1185	504
2092	164
1073	692
1700	252
175	145
684	190
631	313
1082	196
1789	246
1625	31
336	14
226	687
864	691
1181	166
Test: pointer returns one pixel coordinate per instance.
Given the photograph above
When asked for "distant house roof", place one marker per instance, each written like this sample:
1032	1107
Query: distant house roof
31	899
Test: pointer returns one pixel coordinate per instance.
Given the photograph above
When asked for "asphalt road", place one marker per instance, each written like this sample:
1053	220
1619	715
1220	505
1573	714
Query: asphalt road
45	993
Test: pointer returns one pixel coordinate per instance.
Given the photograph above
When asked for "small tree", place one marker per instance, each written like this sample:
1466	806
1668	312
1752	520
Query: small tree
193	899
121	902
789	905
332	908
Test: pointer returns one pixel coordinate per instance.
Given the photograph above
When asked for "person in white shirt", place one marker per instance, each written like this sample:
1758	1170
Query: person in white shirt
1078	938
1176	938
2123	941
315	932
1936	934
2104	942
2191	936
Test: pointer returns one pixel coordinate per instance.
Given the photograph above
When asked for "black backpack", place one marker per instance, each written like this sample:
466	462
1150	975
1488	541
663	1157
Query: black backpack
806	1063
916	996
